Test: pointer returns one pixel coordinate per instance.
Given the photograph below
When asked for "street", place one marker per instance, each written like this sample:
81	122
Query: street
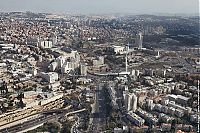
99	114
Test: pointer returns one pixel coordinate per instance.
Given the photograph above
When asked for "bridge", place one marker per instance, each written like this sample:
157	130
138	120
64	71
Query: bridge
74	112
62	111
112	74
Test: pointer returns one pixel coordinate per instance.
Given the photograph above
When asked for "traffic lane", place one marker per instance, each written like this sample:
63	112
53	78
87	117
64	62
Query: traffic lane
29	124
26	125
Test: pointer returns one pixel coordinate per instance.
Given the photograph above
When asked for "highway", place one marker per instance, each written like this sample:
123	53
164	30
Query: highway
35	121
28	124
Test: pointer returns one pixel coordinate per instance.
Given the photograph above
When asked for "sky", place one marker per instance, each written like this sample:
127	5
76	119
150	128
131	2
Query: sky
102	6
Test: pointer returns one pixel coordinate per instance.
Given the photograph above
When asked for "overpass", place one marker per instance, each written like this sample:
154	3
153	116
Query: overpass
62	111
74	112
112	74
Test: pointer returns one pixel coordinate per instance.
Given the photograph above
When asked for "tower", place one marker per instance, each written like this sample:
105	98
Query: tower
127	49
139	40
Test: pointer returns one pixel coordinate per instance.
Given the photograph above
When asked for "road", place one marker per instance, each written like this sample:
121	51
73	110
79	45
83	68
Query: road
40	119
31	123
74	128
99	114
182	60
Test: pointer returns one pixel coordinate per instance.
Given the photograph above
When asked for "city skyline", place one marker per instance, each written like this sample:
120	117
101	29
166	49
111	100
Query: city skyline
73	66
102	7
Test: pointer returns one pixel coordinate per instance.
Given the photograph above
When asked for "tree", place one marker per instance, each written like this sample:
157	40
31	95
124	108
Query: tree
66	127
52	127
19	97
3	88
173	126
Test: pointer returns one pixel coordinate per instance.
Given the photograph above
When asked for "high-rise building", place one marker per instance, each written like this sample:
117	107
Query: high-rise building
130	100
55	40
135	72
61	61
83	69
139	40
158	54
53	66
134	102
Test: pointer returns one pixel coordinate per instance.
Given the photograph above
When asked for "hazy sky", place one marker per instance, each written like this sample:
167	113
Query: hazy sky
102	6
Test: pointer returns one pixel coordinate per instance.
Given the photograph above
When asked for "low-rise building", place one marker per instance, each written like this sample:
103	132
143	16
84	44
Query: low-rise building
98	62
149	118
118	130
46	44
182	99
135	119
118	49
50	77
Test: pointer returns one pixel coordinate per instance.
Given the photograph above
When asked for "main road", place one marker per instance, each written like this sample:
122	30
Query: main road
98	123
36	120
21	127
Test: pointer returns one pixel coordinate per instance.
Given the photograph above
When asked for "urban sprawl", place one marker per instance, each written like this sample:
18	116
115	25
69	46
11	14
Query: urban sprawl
99	73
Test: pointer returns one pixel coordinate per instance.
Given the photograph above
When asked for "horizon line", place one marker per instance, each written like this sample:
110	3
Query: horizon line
111	13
